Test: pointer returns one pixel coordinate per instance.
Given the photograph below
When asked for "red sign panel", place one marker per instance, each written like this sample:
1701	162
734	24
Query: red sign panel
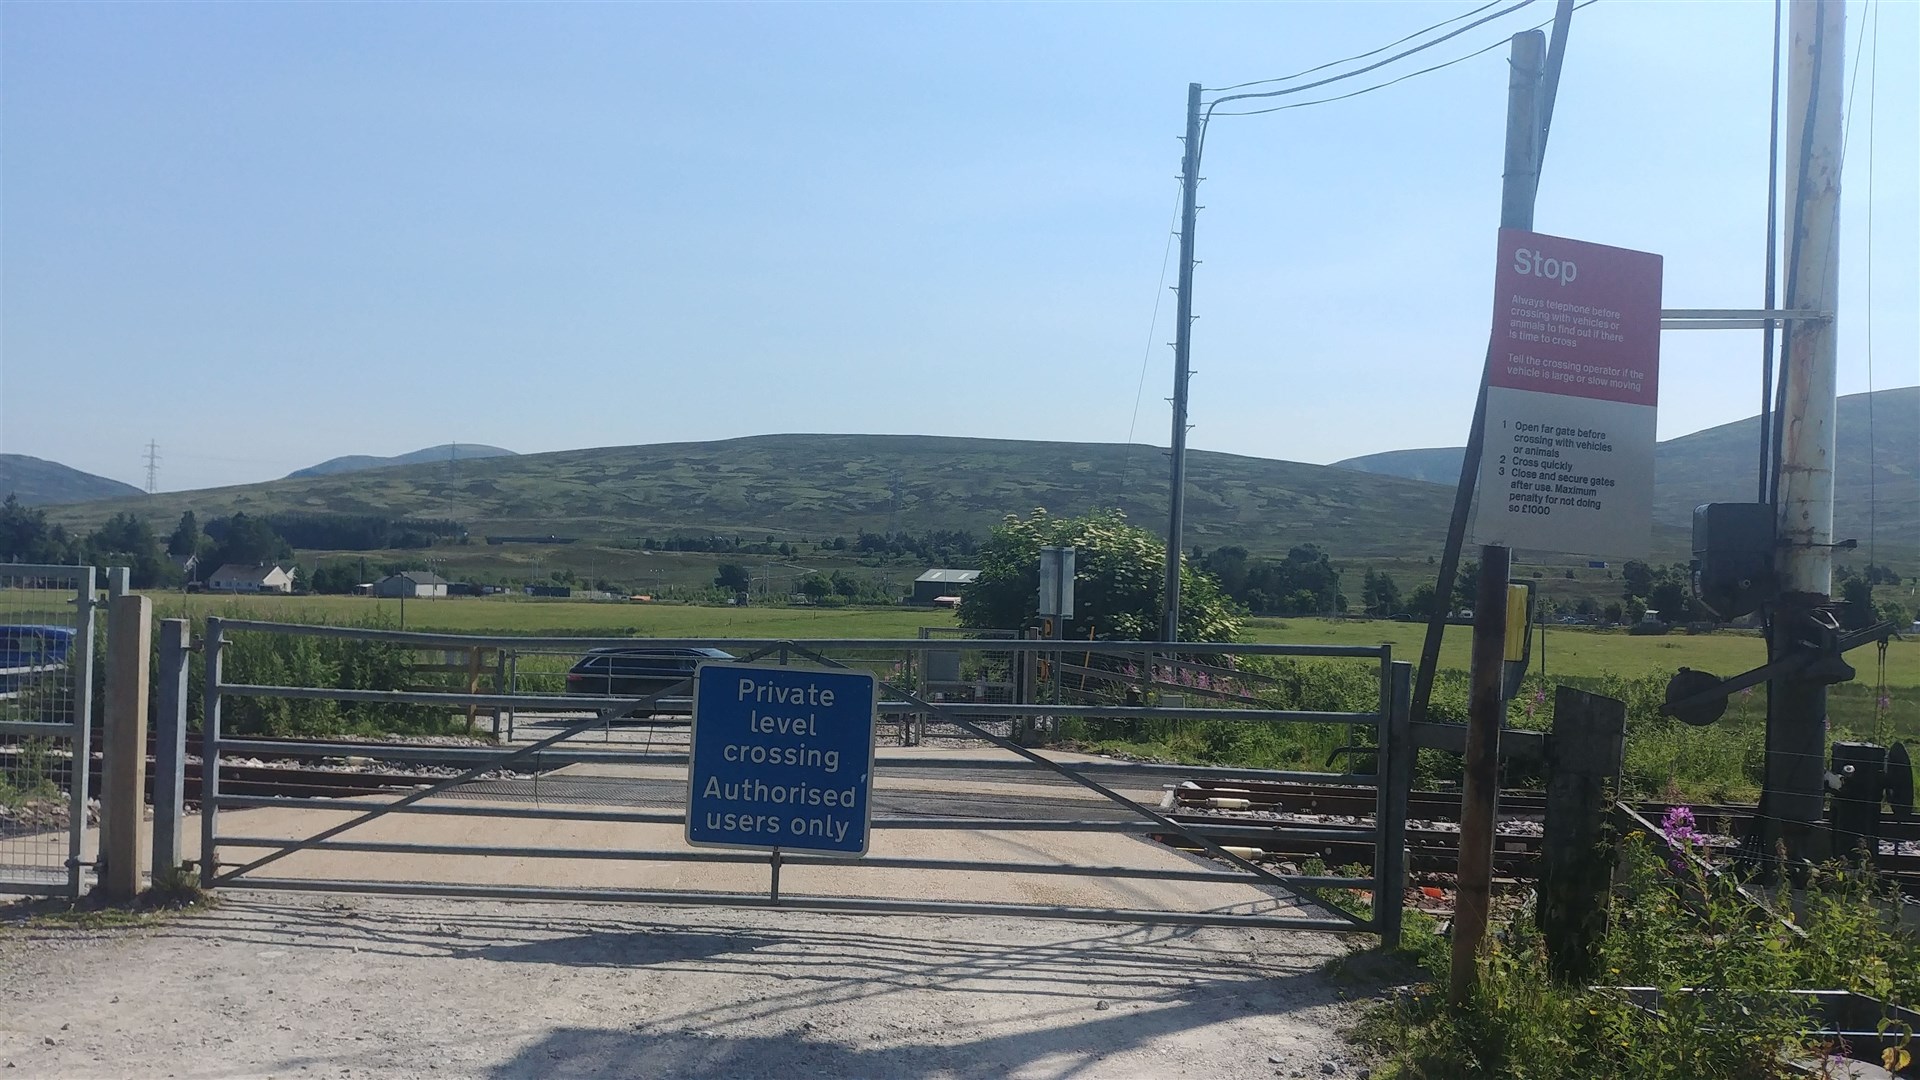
1577	319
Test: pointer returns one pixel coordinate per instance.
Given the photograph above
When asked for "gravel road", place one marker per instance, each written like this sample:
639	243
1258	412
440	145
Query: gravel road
292	985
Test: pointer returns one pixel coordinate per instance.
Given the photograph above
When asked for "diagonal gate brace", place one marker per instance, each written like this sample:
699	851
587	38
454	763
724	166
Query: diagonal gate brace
1172	826
604	715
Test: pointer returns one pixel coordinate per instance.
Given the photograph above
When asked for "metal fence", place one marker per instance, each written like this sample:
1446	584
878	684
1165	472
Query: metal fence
46	695
564	772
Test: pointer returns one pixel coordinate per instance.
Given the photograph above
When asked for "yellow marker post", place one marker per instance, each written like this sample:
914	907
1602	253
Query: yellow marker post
1518	625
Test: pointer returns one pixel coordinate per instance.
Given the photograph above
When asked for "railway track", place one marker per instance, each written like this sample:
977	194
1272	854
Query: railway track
1433	826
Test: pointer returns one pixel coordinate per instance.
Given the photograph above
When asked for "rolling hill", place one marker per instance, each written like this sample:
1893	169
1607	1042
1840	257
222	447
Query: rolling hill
1720	464
442	454
827	485
39	482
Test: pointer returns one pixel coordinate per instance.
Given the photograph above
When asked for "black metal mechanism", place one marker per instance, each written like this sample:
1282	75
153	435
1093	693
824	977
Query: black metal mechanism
1733	557
1858	781
1700	698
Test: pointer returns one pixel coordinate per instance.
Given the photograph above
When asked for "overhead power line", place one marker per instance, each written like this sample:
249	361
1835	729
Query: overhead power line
1375	66
1361	56
1383	85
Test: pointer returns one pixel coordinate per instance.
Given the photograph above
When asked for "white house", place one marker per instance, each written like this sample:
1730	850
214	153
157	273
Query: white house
256	579
413	583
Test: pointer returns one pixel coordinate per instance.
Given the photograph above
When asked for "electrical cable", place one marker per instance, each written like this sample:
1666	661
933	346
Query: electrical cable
1873	458
1389	82
1153	327
1351	59
1373	66
1767	350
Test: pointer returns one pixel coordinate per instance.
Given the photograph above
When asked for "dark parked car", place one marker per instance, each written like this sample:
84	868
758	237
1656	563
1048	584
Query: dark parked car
638	671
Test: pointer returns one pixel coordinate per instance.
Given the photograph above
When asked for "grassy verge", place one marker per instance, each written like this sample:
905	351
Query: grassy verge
1670	933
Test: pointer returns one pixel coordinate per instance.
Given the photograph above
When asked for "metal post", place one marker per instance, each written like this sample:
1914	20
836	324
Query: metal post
170	747
1526	127
513	687
1182	353
119	582
84	604
1394	775
210	753
123	772
1797	708
1486	710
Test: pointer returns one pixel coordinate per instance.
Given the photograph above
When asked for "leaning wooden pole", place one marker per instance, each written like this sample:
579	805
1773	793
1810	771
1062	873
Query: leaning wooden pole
1486	710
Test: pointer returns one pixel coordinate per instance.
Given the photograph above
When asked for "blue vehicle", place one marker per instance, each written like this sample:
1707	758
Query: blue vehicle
29	654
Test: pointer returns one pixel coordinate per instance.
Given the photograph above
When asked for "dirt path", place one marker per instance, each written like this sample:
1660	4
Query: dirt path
294	985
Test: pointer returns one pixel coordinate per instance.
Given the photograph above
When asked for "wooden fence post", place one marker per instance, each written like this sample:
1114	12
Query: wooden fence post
1584	756
124	793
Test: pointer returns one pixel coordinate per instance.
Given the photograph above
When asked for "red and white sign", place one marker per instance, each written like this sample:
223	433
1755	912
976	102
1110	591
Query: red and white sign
1573	386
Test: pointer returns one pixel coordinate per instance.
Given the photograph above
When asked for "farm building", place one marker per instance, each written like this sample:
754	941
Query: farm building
936	586
255	579
413	583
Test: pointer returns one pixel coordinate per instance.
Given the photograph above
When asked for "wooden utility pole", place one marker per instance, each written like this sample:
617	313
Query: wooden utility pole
1526	133
1480	785
1796	705
1182	352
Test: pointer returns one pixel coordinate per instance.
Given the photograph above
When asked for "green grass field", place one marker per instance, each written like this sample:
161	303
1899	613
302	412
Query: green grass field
520	615
1568	652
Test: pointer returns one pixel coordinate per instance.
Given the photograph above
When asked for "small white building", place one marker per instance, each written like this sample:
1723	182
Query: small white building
236	578
423	584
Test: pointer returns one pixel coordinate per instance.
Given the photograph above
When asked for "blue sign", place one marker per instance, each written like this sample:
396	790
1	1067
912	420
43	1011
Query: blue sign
782	758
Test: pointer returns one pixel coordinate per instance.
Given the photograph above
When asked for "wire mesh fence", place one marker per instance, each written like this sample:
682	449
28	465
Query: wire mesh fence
46	651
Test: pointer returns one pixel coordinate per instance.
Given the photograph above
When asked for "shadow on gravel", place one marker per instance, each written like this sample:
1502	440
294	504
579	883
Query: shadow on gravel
1064	1043
798	995
614	948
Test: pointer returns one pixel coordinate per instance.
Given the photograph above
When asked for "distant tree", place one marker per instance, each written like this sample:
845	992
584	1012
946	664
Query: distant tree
1858	595
1613	613
1466	587
816	587
126	540
733	577
1421	601
26	537
335	578
1636	579
1380	595
1119	574
1587	607
1569	575
186	536
246	541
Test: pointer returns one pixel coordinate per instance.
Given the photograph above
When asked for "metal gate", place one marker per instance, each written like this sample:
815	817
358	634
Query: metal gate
1097	798
46	701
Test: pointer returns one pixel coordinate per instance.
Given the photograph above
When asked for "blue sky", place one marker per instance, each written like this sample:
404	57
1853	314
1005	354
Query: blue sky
268	234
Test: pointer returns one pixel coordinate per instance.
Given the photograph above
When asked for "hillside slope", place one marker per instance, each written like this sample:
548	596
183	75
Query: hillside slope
1720	465
39	482
442	454
826	485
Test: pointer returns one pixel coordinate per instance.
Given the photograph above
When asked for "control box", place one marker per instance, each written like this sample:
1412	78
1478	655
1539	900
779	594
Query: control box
1733	557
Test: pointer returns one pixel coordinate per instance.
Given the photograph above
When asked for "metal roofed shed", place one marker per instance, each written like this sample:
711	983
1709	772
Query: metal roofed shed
932	586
